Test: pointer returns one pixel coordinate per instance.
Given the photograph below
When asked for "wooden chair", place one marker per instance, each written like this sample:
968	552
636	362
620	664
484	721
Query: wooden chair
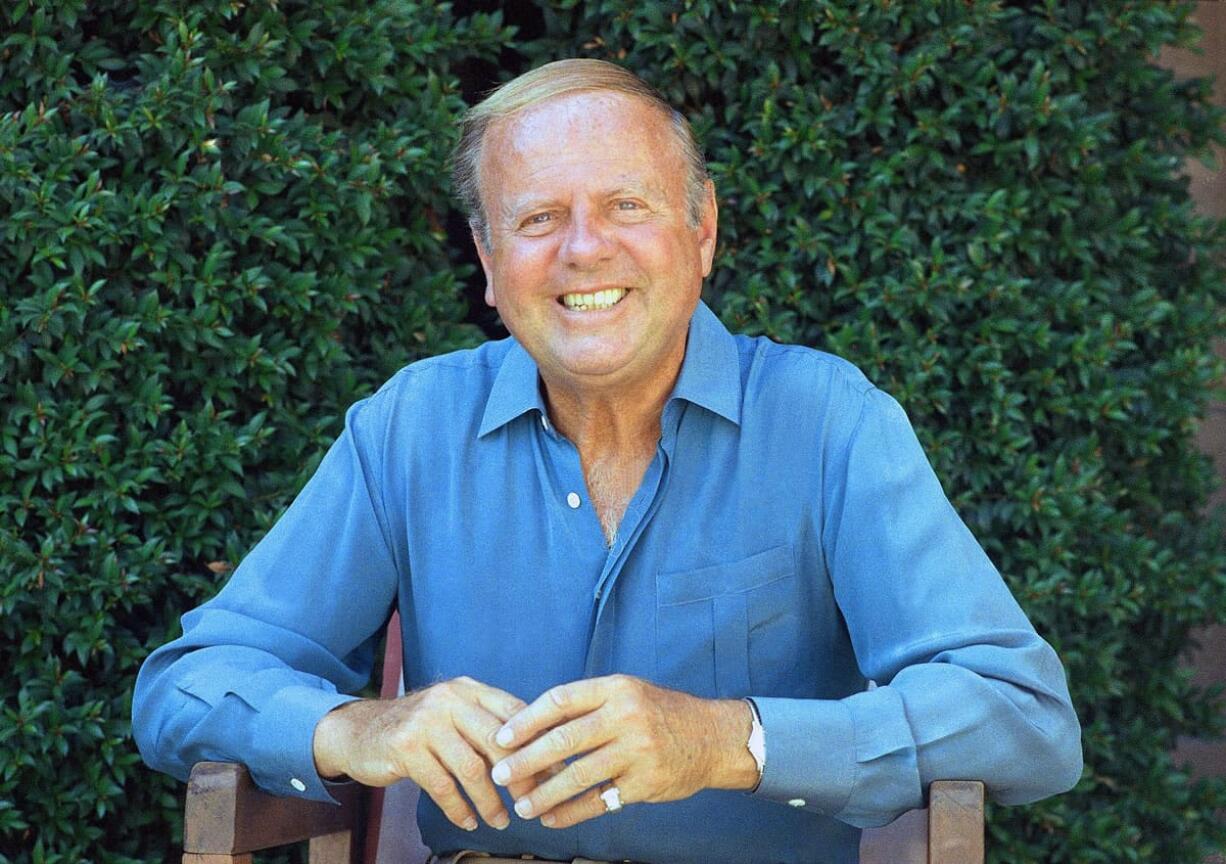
227	817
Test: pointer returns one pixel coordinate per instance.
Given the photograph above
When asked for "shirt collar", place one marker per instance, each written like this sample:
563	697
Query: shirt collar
711	372
710	376
516	390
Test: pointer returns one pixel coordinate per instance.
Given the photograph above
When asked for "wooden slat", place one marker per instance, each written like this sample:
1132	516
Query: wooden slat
338	848
227	814
194	858
955	822
389	688
903	841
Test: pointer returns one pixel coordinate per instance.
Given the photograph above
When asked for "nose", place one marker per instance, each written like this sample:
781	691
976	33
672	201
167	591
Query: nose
587	241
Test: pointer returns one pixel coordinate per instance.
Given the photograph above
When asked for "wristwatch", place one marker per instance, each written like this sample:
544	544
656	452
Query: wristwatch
756	745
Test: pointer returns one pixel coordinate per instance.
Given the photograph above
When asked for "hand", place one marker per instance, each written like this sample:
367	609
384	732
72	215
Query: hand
434	737
655	744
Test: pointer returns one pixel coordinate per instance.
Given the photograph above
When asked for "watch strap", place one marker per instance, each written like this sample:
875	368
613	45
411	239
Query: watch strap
756	745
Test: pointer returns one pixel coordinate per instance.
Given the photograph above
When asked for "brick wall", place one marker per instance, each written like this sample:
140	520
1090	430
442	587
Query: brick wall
1209	193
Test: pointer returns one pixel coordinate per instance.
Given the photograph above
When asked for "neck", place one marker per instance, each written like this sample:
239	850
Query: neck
607	420
616	434
610	419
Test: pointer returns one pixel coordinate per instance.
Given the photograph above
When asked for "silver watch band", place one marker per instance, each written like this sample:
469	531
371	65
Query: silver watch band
756	745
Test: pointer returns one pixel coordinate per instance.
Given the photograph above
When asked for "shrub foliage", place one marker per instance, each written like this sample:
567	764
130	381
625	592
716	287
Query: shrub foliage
224	221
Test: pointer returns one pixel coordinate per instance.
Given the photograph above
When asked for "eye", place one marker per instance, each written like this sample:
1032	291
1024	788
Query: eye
538	223
626	204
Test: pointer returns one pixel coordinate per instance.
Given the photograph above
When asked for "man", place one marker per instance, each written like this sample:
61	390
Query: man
640	562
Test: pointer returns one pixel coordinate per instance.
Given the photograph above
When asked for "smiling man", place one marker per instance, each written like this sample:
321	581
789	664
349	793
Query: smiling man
646	569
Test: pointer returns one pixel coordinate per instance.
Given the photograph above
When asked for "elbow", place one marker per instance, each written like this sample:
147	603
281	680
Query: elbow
148	725
1056	763
1067	760
1063	754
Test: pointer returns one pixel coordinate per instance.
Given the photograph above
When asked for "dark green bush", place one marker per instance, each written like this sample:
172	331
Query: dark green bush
222	223
225	221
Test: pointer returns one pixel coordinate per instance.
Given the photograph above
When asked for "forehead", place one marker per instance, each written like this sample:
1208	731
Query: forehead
606	138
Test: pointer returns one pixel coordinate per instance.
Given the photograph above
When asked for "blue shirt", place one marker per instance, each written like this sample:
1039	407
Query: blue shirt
789	542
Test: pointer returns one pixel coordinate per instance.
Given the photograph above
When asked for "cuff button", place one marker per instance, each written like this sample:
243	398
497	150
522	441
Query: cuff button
298	784
797	802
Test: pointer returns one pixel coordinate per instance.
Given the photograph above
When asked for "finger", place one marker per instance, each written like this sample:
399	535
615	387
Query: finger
556	705
472	772
437	783
587	806
479	728
577	777
500	703
520	788
582	735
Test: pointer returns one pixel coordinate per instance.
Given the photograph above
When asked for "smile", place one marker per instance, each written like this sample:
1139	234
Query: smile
597	300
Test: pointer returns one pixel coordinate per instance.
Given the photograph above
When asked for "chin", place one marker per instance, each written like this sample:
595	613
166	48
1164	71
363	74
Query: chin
596	360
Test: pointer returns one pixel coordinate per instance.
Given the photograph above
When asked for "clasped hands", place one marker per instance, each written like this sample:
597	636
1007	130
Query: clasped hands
555	756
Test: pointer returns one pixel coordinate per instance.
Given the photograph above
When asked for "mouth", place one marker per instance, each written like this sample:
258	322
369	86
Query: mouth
594	301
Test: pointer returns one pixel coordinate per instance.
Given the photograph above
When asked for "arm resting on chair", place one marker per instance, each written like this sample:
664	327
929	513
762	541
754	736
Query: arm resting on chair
950	830
227	816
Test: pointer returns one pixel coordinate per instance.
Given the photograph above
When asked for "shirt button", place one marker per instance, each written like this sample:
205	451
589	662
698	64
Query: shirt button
298	784
796	802
545	422
573	500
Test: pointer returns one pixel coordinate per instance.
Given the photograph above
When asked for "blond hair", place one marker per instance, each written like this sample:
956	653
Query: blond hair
546	82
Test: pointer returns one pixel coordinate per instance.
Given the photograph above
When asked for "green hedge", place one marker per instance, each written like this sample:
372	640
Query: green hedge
224	221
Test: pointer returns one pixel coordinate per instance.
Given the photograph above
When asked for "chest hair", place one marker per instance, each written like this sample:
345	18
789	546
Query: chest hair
612	479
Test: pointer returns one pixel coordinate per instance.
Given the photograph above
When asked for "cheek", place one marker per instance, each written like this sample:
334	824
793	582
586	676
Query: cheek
521	270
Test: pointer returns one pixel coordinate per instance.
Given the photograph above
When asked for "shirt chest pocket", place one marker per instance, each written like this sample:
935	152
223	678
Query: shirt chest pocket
708	621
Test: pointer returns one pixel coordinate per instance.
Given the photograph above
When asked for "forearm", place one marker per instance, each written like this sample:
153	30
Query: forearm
867	758
232	705
260	664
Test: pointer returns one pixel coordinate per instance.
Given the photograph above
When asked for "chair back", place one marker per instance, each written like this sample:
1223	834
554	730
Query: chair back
392	835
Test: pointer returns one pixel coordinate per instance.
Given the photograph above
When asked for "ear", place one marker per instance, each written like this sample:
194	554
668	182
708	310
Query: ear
486	265
708	228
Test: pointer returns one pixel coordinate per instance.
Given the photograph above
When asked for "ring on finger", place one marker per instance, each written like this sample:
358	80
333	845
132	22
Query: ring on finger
612	798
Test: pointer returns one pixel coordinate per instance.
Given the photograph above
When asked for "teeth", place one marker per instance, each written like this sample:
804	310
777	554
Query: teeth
598	300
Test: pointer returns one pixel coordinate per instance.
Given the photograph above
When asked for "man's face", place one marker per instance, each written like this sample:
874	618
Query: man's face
592	262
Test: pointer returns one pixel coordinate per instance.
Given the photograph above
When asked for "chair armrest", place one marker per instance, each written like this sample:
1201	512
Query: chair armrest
226	814
950	830
956	822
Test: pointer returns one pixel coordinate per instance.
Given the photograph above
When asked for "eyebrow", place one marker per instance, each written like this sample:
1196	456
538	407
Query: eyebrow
529	203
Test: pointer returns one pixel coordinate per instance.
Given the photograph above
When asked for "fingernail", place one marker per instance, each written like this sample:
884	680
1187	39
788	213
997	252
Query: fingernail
547	820
505	736
470	824
501	821
501	774
524	808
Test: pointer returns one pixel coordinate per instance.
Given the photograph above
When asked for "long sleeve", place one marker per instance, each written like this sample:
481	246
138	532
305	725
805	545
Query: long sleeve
967	689
288	636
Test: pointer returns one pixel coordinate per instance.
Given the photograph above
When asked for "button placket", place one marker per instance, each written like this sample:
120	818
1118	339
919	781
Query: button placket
638	514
